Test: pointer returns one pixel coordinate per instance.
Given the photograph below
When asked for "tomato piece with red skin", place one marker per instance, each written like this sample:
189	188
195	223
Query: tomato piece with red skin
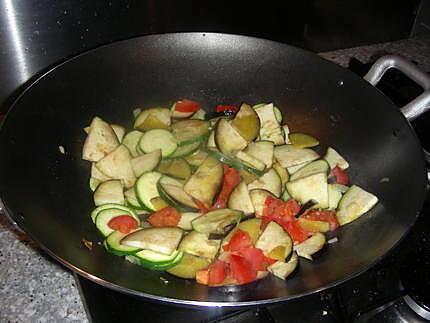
186	105
230	180
279	211
255	257
166	217
323	215
295	231
341	175
217	272
221	108
241	269
123	223
238	241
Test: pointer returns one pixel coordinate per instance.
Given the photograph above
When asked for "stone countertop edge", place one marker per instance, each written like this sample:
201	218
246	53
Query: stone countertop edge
36	288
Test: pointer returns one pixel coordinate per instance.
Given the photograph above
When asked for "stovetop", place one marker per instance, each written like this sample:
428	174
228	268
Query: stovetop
378	295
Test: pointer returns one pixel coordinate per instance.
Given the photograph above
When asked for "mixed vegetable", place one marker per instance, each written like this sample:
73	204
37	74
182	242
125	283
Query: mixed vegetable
223	198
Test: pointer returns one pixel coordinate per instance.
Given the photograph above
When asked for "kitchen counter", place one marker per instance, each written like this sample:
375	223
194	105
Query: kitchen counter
35	288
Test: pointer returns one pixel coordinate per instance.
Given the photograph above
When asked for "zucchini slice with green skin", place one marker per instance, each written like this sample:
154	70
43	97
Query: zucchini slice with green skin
131	198
262	150
125	209
246	123
146	163
291	170
240	200
198	244
269	125
274	236
158	139
288	155
114	246
270	181
206	181
317	166
156	261
188	266
146	189
286	131
227	139
250	160
302	140
197	158
334	196
117	165
215	221
283	174
109	192
186	150
335	159
186	219
313	187
211	140
161	114
175	196
93	183
233	162
313	225
104	216
283	269
258	198
177	168
189	131
354	203
164	240
310	246
119	131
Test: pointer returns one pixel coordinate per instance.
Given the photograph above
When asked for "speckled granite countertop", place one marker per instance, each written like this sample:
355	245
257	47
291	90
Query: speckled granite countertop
35	288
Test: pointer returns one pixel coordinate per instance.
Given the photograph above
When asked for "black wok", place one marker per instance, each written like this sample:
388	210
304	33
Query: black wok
46	193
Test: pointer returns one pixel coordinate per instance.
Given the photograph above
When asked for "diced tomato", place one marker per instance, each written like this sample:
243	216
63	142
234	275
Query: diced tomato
202	276
256	258
186	105
238	241
241	269
295	231
323	215
217	272
123	223
279	211
166	217
221	108
341	176
230	181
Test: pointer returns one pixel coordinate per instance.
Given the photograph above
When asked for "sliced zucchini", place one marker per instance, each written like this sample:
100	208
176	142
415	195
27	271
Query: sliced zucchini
286	131
177	168
262	150
119	131
159	203
186	219
131	140
246	123
96	174
240	200
159	118
215	221
250	160
136	112
109	192
113	245
288	155
227	139
197	158
189	131
157	261
199	115
283	174
258	198
146	189
283	269
302	140
93	183
117	165
104	216
354	204
198	244
269	125
313	187
247	176
131	198
335	159
317	166
251	226
234	162
124	209
186	150
101	140
274	236
176	197
164	240
158	139
188	266
211	140
205	182
291	170
334	196
310	246
146	163
270	181
313	225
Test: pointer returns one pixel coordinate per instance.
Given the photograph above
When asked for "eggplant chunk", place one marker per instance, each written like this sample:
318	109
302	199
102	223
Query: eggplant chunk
227	139
101	140
274	236
240	200
198	244
258	198
188	266
310	246
283	269
247	122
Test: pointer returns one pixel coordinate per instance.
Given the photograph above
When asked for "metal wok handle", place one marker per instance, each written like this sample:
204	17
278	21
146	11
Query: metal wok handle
419	105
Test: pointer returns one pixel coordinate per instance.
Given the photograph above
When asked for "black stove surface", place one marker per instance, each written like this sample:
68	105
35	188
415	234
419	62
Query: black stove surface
381	294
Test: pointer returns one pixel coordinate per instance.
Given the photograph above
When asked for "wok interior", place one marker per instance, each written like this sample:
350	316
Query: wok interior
48	194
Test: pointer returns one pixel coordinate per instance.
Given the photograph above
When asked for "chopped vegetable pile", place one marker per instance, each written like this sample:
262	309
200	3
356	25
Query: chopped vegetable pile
224	198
